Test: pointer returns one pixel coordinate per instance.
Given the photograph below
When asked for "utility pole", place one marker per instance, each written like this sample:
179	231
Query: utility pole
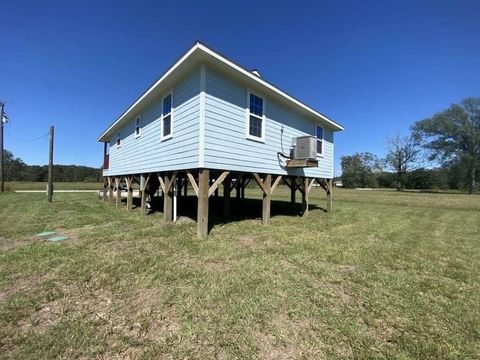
50	168
2	186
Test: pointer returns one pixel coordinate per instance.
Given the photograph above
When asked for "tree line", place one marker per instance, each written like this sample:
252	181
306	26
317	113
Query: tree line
441	152
16	170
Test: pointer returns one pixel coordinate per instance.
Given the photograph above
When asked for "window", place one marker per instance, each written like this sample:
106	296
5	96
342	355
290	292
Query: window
119	139
167	116
319	140
255	117
138	127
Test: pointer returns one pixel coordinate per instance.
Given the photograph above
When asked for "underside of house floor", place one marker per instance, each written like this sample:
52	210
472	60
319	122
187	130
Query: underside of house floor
206	184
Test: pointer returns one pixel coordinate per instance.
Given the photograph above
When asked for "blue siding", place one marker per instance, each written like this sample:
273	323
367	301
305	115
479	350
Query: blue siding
226	145
148	153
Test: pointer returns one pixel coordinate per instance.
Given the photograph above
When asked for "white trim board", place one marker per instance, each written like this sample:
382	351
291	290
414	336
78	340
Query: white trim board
201	125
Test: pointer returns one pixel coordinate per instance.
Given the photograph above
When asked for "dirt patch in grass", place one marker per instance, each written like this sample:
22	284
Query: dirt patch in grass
248	241
284	339
140	316
22	285
46	316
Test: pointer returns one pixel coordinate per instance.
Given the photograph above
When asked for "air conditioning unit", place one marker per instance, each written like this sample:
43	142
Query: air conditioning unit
304	148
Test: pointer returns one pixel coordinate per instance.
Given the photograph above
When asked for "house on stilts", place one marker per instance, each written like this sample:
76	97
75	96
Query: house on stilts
210	122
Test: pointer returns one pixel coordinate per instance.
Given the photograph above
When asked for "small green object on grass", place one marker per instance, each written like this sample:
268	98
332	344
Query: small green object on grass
46	233
58	238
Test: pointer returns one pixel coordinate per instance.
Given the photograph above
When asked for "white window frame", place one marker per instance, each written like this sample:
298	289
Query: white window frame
322	139
139	119
171	117
247	119
118	141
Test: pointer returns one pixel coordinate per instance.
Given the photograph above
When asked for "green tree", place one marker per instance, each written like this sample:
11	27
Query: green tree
453	136
401	156
13	166
358	170
17	170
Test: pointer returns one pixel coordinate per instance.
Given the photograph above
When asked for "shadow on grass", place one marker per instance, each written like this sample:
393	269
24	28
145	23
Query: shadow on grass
240	209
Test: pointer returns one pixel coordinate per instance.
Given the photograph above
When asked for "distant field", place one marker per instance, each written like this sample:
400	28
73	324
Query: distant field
388	275
30	185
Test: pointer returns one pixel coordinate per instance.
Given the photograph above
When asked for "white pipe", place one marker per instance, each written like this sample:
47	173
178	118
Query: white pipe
175	201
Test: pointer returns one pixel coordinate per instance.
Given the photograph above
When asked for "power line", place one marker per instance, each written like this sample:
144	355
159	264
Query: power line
27	140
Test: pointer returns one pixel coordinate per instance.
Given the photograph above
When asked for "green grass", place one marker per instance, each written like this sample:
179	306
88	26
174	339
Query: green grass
388	275
31	185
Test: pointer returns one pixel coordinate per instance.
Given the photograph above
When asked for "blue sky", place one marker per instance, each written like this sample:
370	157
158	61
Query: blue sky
373	66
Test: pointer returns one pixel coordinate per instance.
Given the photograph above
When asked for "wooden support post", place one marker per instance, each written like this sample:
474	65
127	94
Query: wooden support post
267	184
110	190
118	199
168	198
143	203
293	191
305	188
185	188
329	195
227	188
129	181
105	186
202	210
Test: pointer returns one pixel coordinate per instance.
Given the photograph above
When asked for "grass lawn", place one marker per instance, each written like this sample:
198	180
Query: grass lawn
30	185
388	275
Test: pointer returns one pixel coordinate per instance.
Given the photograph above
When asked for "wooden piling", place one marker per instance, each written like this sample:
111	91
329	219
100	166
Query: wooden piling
143	201
293	191
129	180
118	199
110	190
202	210
105	186
168	198
305	191
267	184
329	195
